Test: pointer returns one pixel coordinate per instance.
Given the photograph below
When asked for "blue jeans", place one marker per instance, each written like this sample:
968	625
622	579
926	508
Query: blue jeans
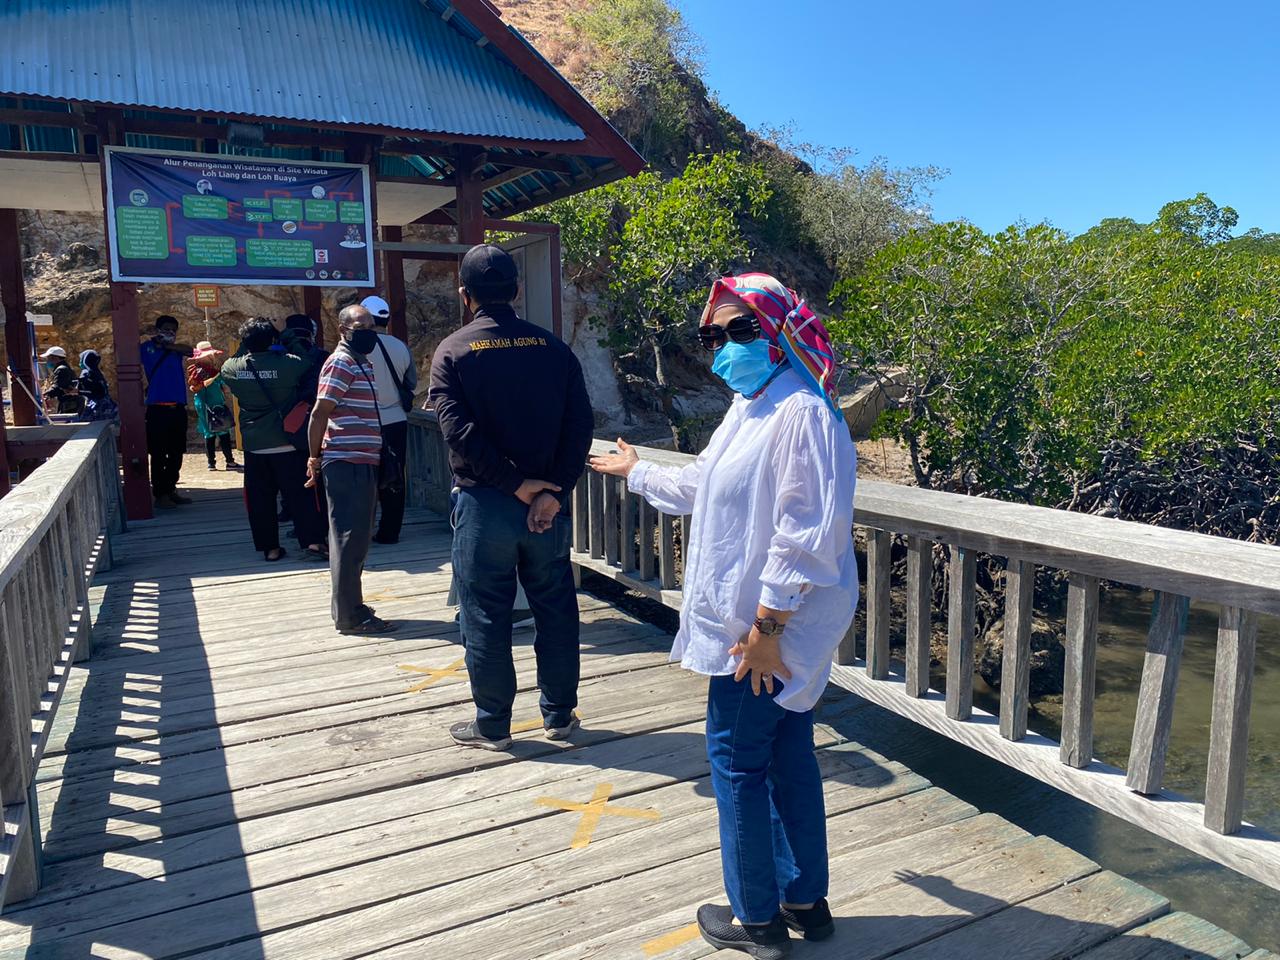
491	546
773	824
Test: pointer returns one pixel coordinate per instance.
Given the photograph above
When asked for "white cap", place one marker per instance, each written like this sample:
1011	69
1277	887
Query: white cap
377	306
54	352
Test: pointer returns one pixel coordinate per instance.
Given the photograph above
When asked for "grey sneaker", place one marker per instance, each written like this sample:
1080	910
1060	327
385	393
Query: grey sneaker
562	733
466	734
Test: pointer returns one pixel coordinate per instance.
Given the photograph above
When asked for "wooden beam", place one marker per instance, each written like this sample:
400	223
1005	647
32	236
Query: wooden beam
879	546
17	339
470	206
962	629
313	307
1015	671
125	334
919	614
1229	731
1076	749
1154	718
393	274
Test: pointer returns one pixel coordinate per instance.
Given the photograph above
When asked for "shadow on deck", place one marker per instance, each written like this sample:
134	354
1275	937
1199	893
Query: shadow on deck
230	778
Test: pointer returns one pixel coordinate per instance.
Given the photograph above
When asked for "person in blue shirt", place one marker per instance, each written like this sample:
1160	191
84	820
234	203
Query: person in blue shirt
166	399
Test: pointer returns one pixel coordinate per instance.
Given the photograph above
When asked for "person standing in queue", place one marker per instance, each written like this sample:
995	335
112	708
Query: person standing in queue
396	378
346	448
166	399
265	382
515	415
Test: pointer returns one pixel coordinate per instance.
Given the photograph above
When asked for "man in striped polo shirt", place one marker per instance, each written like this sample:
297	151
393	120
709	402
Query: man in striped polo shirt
346	446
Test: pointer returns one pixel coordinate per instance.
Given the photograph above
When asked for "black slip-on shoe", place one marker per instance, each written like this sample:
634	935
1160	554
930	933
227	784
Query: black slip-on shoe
814	923
467	734
768	942
369	627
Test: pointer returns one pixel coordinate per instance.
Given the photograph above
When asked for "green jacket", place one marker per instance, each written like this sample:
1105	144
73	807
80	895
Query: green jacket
264	400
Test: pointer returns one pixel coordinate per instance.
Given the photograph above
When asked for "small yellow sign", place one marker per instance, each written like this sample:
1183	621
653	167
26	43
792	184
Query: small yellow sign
207	295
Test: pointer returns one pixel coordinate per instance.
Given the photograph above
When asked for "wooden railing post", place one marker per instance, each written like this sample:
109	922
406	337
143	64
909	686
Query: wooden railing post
612	520
879	545
595	514
1076	748
961	627
1229	730
581	516
1015	670
1154	718
628	545
919	614
667	552
647	535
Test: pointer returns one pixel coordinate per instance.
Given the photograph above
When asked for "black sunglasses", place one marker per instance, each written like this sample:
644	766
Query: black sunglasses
743	328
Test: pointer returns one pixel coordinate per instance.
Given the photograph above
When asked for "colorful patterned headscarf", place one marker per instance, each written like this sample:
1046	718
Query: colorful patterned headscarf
792	329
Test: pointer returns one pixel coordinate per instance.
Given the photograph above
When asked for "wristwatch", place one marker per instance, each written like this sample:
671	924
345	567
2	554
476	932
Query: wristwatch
768	627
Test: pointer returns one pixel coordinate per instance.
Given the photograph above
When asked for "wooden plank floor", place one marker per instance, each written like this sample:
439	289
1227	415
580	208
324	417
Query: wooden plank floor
229	778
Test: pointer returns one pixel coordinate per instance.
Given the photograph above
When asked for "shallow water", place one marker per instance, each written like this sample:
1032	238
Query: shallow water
1246	908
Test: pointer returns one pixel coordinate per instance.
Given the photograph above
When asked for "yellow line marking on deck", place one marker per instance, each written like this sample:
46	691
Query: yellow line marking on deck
669	941
383	595
592	811
433	674
527	725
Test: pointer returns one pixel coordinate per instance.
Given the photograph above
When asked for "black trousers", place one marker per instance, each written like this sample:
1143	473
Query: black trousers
392	517
224	441
352	493
268	475
166	443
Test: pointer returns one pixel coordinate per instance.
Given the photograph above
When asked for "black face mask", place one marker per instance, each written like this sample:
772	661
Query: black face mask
362	341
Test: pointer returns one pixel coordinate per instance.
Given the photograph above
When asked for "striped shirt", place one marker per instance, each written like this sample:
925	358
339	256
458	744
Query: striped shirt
353	433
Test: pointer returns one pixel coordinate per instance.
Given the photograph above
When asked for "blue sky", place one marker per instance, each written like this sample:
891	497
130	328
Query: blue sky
1060	111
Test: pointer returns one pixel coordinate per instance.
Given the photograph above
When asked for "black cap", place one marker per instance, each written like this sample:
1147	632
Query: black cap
489	273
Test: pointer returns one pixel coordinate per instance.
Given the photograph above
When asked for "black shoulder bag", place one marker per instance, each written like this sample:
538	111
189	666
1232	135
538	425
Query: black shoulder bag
390	469
406	395
294	423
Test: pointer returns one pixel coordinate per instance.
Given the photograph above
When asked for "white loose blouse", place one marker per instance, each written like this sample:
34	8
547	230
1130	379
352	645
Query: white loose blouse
772	504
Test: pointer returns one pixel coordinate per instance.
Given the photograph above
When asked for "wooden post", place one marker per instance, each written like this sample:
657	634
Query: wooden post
313	307
667	552
581	516
366	149
1076	748
629	506
1154	718
1015	672
612	548
4	450
879	545
961	627
648	531
124	335
1229	732
17	339
595	513
919	614
393	277
470	196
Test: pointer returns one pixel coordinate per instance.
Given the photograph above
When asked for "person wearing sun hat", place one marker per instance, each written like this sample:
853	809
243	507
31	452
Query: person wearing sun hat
770	587
212	402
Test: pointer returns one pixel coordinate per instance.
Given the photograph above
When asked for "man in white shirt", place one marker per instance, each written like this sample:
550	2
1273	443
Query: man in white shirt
396	377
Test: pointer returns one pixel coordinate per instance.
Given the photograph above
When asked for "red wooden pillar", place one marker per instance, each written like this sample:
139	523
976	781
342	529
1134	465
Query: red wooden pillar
470	204
312	306
393	282
124	334
17	338
364	149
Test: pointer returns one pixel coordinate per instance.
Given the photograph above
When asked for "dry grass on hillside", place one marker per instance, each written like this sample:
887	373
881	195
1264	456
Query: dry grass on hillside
543	23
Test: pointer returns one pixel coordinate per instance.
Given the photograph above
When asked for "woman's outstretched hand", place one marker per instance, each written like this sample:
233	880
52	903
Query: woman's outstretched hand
761	658
618	464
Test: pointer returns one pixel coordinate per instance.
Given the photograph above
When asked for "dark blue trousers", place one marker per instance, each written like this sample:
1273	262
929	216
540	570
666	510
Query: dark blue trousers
492	545
773	826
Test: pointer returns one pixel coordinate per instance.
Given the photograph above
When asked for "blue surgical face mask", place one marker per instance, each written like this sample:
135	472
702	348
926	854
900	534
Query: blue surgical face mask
745	367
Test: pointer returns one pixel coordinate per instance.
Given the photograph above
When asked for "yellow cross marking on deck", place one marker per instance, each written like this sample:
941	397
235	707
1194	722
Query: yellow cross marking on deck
433	674
592	811
384	595
526	725
669	941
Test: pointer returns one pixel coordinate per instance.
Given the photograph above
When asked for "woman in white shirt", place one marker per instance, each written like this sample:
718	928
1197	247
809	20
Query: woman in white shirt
770	588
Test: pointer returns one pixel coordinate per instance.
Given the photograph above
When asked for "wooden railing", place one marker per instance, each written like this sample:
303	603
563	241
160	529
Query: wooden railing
617	535
55	533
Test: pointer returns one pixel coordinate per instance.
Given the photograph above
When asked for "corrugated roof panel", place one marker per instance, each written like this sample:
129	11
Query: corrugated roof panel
383	63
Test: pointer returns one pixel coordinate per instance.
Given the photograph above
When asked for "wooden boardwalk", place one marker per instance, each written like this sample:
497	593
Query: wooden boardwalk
229	778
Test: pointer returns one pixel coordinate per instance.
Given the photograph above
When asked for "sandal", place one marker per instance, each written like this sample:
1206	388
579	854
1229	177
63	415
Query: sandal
271	556
315	552
368	627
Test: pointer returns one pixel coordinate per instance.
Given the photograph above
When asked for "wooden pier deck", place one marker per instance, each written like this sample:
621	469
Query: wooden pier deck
229	778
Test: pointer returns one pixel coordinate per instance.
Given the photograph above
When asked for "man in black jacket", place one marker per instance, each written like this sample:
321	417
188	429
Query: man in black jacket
517	420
